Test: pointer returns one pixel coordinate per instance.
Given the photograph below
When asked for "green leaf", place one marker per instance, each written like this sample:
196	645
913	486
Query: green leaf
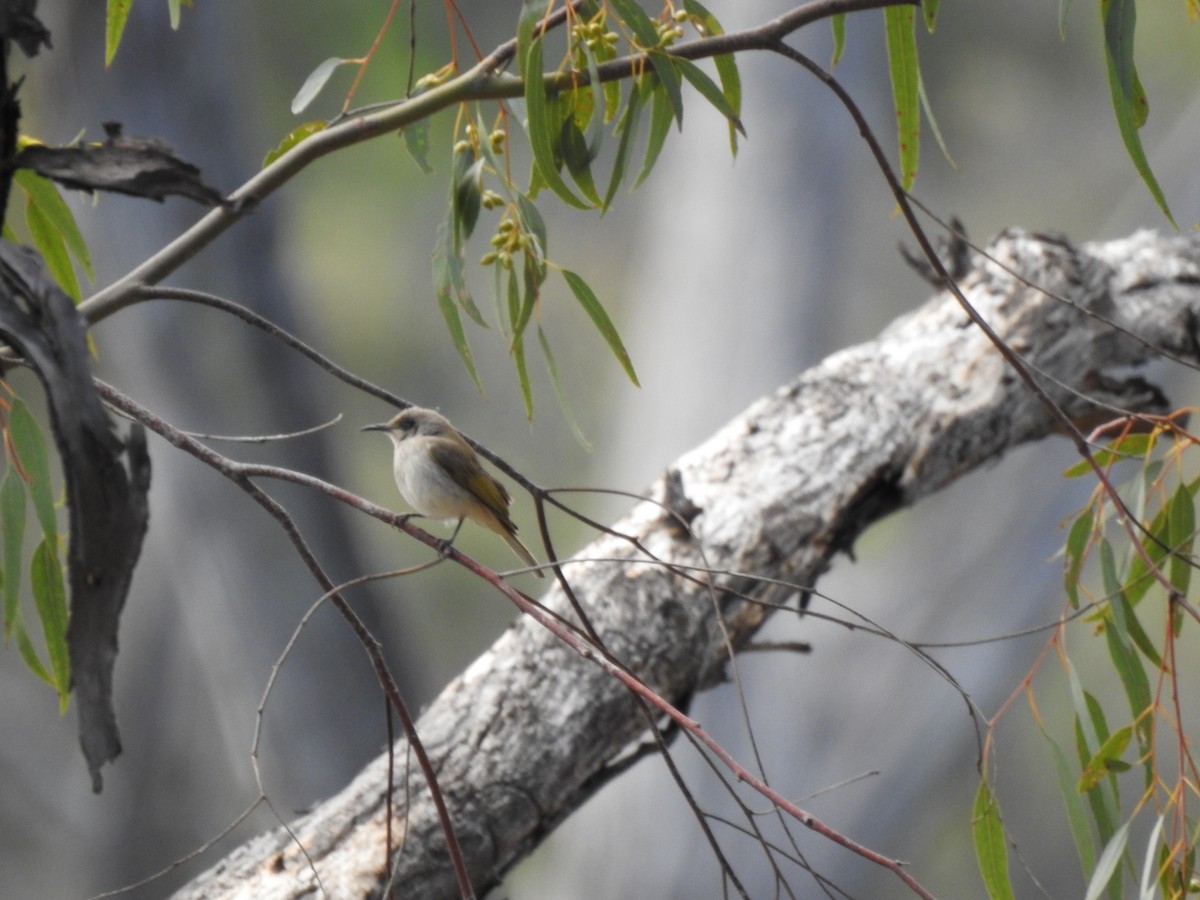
1141	578
535	274
30	655
731	86
929	8
50	600
114	27
838	24
1106	759
667	70
627	126
587	99
1128	97
12	530
1076	815
543	129
592	306
173	10
927	108
577	156
291	139
316	80
1125	614
44	193
53	249
991	851
727	70
1110	859
660	125
533	13
31	451
416	142
532	222
709	90
446	274
638	21
1078	540
1132	446
467	198
559	394
1181	531
901	24
517	346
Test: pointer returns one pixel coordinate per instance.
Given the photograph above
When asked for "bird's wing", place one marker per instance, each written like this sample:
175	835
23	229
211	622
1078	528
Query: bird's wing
469	474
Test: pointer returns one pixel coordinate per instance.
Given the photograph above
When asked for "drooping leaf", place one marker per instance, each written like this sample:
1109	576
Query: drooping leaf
532	274
838	25
517	345
991	851
543	129
927	108
593	123
1128	97
1181	532
638	21
708	89
660	125
12	531
1076	815
627	126
43	194
467	198
533	13
902	62
929	9
313	84
596	312
114	26
30	655
31	450
1078	539
532	223
577	156
667	70
559	393
727	69
445	262
53	248
416	142
50	599
1110	860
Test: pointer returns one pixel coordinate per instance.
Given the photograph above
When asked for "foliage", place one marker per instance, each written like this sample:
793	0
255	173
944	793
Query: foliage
1136	544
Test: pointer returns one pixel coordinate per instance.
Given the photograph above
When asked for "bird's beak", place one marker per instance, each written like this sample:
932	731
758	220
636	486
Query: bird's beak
380	426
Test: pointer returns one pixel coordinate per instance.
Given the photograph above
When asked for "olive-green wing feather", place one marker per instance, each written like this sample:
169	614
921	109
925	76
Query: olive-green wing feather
469	474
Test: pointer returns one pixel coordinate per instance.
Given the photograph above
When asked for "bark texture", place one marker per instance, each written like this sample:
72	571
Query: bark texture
529	730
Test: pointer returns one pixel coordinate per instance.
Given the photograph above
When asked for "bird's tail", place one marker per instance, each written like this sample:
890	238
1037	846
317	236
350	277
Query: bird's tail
522	551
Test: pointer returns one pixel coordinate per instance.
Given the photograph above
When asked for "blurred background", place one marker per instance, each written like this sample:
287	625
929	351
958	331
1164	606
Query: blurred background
726	278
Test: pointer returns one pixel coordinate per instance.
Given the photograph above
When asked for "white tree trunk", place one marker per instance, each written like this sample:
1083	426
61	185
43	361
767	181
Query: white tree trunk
524	735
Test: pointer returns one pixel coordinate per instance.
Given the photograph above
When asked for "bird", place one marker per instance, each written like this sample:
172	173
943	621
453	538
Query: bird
440	476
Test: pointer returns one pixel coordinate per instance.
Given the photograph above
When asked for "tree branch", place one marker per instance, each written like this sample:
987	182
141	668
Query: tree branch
482	82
